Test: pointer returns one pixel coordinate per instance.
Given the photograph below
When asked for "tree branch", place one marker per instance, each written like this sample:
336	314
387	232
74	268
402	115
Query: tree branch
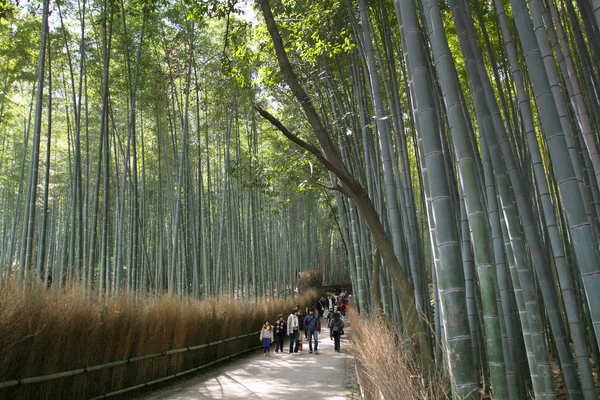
305	145
335	186
290	77
351	188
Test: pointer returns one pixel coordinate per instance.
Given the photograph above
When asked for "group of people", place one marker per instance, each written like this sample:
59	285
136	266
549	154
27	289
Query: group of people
333	303
309	326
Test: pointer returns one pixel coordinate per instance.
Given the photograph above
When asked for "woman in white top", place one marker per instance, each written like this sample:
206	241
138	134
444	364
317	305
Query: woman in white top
293	327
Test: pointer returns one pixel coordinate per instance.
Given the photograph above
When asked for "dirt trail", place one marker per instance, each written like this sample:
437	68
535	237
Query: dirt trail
327	375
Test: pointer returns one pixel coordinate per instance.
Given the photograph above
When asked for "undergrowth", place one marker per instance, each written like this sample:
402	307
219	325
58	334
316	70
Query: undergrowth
43	332
308	280
387	369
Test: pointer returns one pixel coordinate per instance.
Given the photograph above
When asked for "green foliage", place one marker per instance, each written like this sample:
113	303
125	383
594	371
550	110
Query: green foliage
199	9
19	46
312	31
315	29
6	9
279	167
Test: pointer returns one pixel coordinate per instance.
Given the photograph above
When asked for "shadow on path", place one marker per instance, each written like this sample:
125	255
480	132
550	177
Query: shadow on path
283	375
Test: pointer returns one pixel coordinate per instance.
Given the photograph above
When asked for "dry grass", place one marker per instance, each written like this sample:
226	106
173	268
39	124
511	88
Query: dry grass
309	280
387	369
44	332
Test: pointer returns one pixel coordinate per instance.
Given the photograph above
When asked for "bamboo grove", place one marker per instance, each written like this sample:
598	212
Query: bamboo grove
472	129
441	155
131	163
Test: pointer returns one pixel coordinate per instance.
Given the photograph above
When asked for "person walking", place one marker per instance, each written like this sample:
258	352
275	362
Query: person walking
312	327
330	304
321	305
336	327
293	330
302	331
343	308
319	308
266	337
329	319
279	333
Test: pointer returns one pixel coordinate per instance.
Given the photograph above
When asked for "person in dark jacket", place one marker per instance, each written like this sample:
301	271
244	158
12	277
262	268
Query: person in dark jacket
336	327
279	333
320	307
302	330
301	321
311	327
329	318
325	305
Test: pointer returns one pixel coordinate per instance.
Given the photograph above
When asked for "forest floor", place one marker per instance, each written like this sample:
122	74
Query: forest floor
328	375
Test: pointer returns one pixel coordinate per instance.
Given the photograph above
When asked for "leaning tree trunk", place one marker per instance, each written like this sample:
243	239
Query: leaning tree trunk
350	188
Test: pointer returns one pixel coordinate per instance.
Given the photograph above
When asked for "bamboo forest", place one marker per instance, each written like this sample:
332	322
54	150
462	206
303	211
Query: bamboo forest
172	165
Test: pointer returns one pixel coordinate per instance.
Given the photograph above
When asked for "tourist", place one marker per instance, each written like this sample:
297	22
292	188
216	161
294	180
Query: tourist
321	307
343	305
329	318
301	329
319	311
342	309
266	337
312	327
336	327
279	333
293	327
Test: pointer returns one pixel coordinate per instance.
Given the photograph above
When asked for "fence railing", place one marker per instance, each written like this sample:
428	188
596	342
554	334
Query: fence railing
177	375
79	371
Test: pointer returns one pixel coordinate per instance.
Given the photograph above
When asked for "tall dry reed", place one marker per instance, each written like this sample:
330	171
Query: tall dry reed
386	368
43	332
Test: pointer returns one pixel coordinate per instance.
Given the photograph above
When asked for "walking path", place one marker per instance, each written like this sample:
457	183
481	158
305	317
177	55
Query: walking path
326	376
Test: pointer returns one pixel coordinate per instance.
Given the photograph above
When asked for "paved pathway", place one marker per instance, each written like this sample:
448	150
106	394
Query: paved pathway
283	375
